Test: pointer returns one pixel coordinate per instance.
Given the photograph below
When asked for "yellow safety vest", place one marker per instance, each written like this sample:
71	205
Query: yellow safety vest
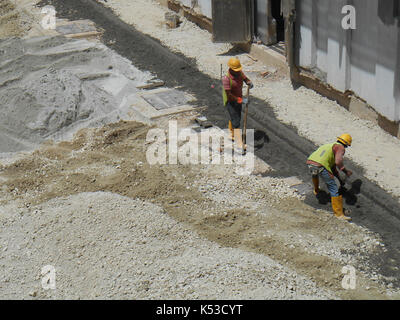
324	155
224	95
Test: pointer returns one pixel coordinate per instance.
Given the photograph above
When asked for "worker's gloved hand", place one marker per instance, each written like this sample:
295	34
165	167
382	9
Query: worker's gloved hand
349	173
239	100
251	85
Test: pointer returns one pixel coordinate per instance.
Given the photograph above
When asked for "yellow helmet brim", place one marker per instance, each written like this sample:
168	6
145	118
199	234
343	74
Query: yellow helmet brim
237	69
344	142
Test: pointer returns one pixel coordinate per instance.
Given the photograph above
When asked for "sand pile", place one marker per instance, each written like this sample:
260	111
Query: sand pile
51	87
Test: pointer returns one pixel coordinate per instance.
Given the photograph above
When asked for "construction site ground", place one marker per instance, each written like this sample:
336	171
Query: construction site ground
77	191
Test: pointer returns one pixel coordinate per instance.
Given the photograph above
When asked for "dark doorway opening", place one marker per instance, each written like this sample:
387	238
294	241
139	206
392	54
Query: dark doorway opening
280	21
262	21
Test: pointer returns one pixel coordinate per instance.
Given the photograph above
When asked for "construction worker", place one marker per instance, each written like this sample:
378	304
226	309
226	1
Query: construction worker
233	98
324	162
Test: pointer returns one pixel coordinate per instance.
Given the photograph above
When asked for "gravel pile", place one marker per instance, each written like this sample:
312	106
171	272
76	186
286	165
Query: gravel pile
104	245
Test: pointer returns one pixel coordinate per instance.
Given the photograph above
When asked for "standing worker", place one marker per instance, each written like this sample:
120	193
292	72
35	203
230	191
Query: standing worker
324	162
233	97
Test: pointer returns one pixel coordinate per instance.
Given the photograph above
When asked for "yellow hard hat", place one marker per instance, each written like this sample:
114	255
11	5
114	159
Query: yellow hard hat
345	139
234	64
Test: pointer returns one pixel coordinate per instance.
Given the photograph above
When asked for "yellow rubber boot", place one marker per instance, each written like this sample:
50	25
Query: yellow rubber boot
315	181
337	206
231	130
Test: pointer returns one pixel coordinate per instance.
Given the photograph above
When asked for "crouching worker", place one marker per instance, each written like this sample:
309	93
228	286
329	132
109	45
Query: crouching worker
324	162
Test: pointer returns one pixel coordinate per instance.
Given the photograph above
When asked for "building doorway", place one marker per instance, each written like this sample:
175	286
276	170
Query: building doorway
280	21
269	26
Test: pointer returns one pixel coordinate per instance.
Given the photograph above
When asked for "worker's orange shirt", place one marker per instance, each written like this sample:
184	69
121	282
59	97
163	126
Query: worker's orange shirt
237	84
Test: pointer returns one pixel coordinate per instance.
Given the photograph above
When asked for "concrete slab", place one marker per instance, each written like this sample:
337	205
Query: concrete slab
169	102
78	26
70	47
113	84
166	99
68	29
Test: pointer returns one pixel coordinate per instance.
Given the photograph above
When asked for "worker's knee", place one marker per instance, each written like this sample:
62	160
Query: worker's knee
332	187
236	123
334	191
330	183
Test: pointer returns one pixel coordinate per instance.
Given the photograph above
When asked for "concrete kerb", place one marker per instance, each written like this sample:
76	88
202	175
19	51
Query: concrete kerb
363	110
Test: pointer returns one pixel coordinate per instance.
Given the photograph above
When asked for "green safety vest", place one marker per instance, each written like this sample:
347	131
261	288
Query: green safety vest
324	155
224	95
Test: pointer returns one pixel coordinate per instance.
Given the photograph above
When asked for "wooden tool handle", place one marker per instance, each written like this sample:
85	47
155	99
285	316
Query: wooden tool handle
245	117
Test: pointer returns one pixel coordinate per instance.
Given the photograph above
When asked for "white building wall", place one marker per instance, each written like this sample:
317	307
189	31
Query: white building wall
365	61
205	8
187	3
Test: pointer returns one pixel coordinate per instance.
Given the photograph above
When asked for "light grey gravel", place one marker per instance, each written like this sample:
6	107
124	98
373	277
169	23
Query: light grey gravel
123	248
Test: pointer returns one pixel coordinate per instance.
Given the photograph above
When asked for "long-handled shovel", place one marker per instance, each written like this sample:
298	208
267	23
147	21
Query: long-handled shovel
245	121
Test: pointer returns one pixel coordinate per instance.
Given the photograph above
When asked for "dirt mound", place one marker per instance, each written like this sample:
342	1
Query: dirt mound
113	160
14	22
9	20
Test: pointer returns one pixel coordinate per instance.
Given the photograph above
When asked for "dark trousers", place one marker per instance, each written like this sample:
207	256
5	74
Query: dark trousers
235	112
